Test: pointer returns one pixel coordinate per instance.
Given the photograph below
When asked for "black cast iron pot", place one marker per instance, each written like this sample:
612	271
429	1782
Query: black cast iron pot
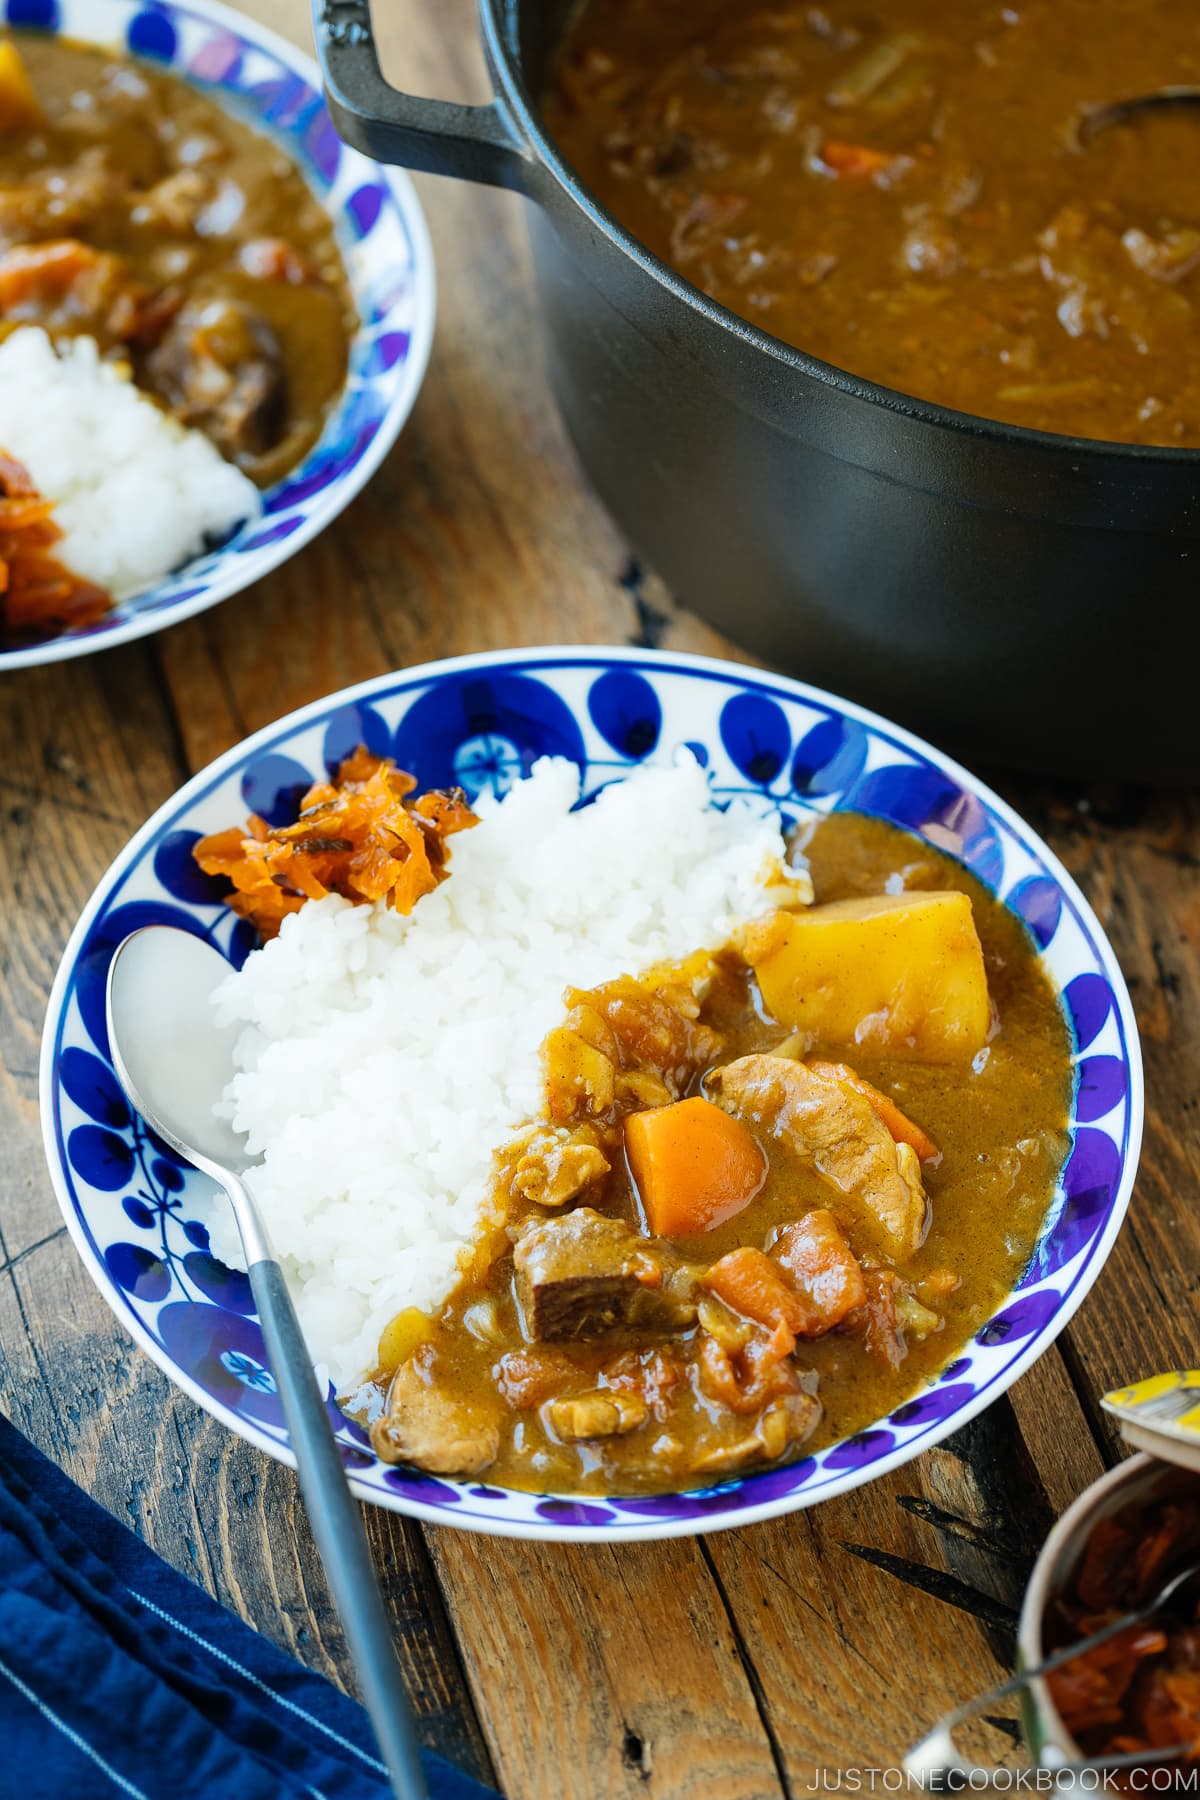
1028	596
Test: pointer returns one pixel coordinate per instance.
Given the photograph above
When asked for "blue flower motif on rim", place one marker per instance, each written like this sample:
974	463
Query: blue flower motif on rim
349	727
228	1287
1102	1084
204	1341
386	351
42	15
1023	1319
274	786
99	1157
829	757
138	1271
1038	901
178	871
863	1447
626	712
366	204
756	736
1089	1001
324	147
515	718
151	33
1089	1182
93	1087
924	799
250	1373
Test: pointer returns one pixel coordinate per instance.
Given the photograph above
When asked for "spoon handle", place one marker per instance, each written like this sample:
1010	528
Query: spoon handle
333	1512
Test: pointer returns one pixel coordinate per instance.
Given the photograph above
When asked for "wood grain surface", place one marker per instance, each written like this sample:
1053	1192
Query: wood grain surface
732	1668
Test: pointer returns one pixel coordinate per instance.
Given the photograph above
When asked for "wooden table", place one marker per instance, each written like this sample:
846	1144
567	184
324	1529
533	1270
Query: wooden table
729	1668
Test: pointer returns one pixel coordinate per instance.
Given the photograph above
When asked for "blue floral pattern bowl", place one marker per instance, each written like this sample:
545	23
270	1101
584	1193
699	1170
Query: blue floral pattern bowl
481	721
383	238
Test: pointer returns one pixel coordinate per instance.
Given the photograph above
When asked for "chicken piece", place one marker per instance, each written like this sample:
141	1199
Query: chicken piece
555	1165
597	1414
835	1130
431	1429
219	368
582	1277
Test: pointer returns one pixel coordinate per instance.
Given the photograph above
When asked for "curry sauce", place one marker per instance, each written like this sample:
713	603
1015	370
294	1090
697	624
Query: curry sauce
136	210
909	191
534	1373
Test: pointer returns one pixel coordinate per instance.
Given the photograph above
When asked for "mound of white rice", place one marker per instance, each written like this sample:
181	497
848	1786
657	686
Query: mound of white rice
386	1058
135	494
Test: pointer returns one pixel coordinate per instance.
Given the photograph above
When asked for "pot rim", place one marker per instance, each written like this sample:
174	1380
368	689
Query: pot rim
498	20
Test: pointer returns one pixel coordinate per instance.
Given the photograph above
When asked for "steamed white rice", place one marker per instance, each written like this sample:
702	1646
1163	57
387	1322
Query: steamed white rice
386	1058
135	493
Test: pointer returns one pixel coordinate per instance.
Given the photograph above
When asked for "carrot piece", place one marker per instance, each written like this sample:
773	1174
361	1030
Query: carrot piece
856	161
824	1268
754	1286
885	1109
695	1166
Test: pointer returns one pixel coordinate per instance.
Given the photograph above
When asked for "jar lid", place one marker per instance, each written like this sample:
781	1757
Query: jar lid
1161	1415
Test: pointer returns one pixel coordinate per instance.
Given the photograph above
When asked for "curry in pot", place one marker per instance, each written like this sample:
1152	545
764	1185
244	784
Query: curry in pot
903	189
135	210
773	1192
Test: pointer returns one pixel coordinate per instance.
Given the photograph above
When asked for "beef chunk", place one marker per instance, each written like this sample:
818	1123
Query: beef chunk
219	369
583	1276
431	1429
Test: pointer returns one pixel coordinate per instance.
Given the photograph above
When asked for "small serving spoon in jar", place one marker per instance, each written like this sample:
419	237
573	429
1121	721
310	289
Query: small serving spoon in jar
1099	118
936	1762
173	1060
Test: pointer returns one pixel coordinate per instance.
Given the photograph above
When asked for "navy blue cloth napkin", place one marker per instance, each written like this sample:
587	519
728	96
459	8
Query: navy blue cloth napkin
119	1677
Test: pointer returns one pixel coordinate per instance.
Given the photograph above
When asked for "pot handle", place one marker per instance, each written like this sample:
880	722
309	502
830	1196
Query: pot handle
441	137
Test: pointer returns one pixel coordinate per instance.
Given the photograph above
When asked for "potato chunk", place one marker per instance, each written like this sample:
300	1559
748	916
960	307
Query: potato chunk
901	973
19	109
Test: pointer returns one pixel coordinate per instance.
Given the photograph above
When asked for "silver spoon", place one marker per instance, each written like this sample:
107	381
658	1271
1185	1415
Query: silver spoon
936	1758
1098	118
173	1060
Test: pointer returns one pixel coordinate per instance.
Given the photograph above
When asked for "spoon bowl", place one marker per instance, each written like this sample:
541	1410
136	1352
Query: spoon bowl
167	1047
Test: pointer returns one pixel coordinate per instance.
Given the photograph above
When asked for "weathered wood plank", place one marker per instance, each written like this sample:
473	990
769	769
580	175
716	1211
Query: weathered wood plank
86	752
606	1672
1136	855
